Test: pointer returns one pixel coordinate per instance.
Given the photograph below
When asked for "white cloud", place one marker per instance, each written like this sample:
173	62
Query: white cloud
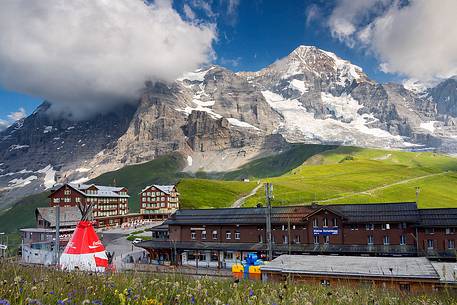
416	39
85	56
232	11
3	124
230	62
17	115
189	12
312	13
12	117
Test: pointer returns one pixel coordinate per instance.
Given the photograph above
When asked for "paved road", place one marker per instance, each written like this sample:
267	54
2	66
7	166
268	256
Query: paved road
239	202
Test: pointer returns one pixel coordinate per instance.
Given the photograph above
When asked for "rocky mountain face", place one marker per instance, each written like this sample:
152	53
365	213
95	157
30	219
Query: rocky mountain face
219	120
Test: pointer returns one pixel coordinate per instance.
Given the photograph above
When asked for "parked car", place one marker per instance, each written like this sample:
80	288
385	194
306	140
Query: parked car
137	240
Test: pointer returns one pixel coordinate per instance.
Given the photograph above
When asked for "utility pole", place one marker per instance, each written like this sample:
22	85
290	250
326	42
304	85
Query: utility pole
268	197
288	232
418	190
57	242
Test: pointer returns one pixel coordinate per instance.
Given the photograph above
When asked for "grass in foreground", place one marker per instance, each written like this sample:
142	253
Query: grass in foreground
20	285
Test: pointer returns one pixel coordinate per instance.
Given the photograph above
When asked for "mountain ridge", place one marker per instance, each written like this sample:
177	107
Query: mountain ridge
219	120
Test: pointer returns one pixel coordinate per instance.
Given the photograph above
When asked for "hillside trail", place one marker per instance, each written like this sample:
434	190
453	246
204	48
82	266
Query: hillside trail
239	202
367	192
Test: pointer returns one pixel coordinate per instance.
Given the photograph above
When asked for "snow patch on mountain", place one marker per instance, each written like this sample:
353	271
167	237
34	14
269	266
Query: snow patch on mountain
429	126
415	86
49	176
20	182
301	125
299	85
198	75
236	122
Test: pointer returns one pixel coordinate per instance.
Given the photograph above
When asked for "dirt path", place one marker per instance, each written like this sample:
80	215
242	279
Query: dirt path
239	202
367	192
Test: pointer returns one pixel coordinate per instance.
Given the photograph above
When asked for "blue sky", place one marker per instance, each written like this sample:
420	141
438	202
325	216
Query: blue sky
254	33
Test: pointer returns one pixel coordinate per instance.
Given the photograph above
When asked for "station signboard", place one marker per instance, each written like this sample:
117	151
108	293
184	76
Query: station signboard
325	231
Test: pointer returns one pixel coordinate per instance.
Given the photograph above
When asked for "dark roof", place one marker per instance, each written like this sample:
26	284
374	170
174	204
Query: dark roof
354	213
438	217
239	215
378	212
69	216
161	227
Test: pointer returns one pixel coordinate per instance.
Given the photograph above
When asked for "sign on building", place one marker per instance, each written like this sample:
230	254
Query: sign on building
325	231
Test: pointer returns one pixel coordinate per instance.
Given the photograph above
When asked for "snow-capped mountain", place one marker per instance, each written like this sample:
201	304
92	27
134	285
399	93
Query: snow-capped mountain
219	120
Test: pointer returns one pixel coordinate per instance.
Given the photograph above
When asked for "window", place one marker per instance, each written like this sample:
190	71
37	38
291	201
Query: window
450	231
325	283
402	225
56	200
67	192
369	226
192	235
228	235
430	244
385	226
162	204
67	200
429	231
335	222
326	239
370	240
285	239
215	234
402	240
77	199
237	235
325	222
405	287
316	239
386	240
260	238
315	223
297	239
354	227
450	244
143	199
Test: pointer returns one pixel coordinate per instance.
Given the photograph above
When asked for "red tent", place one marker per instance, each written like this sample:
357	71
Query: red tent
84	251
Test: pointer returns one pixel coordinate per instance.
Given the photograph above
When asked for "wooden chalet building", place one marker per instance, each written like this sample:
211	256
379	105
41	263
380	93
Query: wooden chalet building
110	204
158	201
220	237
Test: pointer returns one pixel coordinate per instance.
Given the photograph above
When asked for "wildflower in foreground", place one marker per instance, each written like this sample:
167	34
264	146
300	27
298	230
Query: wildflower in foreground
4	302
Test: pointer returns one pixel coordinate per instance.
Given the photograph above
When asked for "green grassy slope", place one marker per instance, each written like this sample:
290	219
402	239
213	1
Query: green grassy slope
163	170
329	175
203	193
277	165
22	214
195	193
354	175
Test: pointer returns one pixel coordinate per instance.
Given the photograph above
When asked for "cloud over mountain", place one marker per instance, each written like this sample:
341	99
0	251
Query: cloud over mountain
415	38
85	56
